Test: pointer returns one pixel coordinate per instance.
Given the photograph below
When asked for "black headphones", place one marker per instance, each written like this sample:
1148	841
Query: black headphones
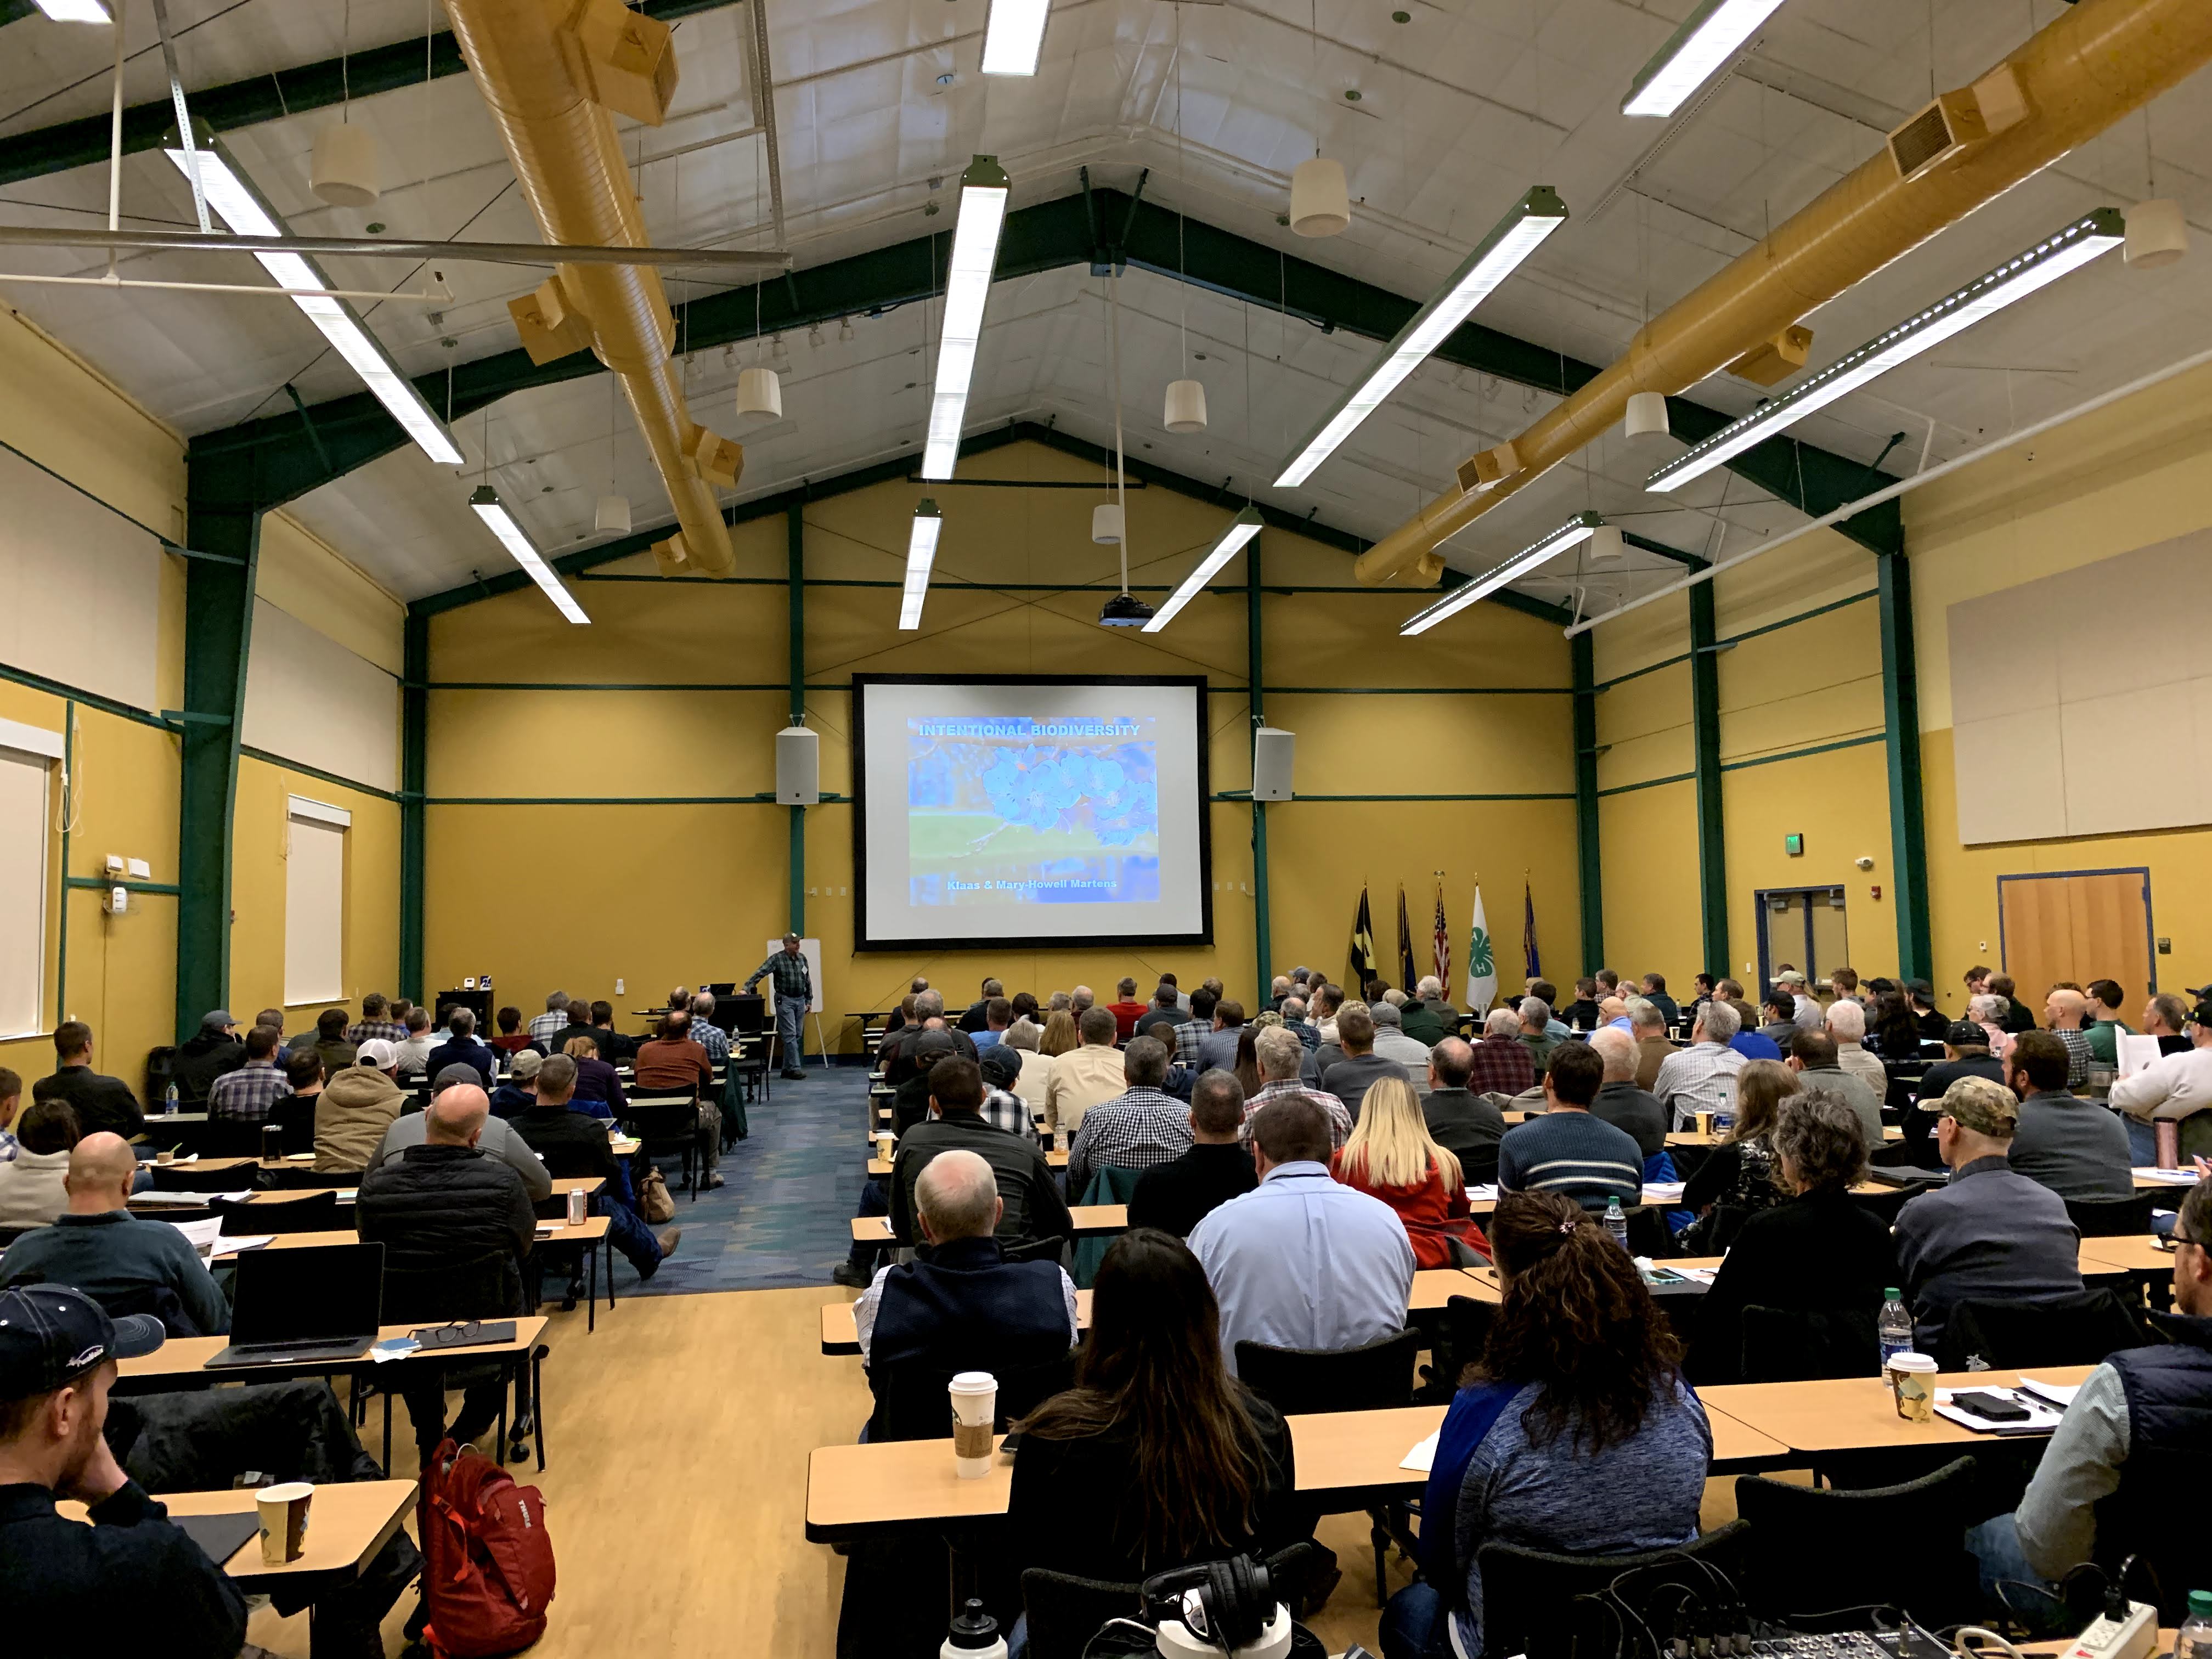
1227	1603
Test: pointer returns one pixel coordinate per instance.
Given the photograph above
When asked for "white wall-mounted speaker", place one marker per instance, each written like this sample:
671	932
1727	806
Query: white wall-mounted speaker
1274	753
797	767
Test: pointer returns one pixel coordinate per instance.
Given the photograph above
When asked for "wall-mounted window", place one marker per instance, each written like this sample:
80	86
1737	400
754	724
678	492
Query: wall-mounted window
29	756
314	902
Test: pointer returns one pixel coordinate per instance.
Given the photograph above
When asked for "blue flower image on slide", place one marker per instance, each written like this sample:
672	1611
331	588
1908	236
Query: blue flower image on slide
1007	809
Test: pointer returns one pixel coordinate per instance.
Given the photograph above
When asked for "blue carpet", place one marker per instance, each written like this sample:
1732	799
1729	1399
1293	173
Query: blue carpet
784	1216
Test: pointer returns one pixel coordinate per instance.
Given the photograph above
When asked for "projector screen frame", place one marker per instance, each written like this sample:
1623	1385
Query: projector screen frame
861	939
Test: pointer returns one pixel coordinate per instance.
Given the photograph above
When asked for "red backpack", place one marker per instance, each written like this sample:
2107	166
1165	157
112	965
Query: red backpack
488	1566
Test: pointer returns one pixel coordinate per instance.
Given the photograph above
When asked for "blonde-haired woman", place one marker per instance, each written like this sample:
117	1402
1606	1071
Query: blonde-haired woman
1391	1157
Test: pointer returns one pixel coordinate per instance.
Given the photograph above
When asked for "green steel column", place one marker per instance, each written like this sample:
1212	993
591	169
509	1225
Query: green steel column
1900	708
218	635
794	531
1706	723
1589	863
1262	943
414	776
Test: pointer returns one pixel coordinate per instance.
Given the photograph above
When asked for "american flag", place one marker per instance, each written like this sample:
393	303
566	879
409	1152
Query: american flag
1443	943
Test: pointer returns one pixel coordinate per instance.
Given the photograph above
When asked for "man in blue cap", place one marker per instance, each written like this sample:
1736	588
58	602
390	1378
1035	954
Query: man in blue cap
132	1578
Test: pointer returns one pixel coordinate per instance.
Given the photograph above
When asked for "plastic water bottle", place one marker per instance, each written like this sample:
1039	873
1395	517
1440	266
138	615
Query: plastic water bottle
1615	1223
1893	1329
974	1635
169	1100
2194	1639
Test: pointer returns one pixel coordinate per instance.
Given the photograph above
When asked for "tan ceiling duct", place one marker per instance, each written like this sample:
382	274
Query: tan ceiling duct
551	72
2100	60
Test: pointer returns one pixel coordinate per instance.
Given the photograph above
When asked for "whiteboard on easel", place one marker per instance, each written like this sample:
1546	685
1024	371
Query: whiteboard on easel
811	949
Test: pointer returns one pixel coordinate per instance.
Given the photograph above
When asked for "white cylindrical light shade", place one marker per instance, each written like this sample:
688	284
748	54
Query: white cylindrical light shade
2157	235
344	172
760	392
1321	205
612	516
1106	524
1647	416
1186	411
1606	546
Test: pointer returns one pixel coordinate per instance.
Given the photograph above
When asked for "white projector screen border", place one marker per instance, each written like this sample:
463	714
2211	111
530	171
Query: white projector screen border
864	936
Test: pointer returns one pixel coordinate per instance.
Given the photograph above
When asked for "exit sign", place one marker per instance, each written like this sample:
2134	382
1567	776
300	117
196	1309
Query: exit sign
1794	846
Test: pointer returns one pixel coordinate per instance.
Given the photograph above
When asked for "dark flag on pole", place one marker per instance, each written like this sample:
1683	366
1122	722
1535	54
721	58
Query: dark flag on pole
1362	956
1528	929
1407	973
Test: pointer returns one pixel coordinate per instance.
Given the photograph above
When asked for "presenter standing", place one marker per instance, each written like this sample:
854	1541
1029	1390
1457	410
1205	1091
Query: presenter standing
794	995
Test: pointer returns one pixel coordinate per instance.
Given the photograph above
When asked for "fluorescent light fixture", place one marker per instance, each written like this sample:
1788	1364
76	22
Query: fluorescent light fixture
2040	266
1014	36
1708	38
1242	529
1512	239
921	554
233	198
74	11
967	284
1575	530
501	522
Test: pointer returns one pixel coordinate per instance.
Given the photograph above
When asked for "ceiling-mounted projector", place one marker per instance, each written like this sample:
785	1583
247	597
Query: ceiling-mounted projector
1124	610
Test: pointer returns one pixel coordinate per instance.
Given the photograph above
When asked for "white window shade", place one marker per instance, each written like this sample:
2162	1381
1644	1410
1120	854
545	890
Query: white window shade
24	780
315	904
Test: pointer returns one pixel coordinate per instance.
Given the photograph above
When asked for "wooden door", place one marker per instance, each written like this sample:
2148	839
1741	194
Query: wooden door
2077	925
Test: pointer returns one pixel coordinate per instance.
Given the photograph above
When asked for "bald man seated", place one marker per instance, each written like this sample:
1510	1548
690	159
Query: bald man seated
128	1264
455	1223
959	1305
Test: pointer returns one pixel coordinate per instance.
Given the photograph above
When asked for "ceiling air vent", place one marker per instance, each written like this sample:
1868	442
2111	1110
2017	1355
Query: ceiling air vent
1936	134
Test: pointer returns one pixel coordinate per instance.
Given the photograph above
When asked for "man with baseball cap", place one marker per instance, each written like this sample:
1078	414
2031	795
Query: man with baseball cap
2177	1087
794	981
1991	1234
357	1106
131	1580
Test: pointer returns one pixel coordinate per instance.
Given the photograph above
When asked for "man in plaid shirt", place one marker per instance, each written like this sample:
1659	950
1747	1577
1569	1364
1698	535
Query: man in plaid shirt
1702	1075
794	994
376	1022
544	1027
1136	1130
245	1095
1502	1064
703	1032
1195	1030
1280	1054
1002	1108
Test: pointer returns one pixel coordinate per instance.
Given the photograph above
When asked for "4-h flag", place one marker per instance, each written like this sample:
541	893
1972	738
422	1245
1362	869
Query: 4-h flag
1362	955
1481	965
1407	972
1443	944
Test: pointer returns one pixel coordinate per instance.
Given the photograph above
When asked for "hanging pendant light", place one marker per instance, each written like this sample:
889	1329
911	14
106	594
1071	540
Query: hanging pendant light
344	171
612	516
1321	204
1186	409
2157	235
760	393
1606	545
1106	524
1647	416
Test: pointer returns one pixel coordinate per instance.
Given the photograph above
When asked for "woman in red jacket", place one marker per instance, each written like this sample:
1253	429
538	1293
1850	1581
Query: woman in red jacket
1390	1156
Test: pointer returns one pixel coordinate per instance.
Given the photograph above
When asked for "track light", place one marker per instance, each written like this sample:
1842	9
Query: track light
486	505
920	554
1576	529
1242	529
983	190
1511	241
2043	263
74	11
1705	41
232	197
1014	36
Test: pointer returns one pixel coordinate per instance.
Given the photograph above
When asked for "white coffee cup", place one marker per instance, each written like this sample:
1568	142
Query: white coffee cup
1912	1378
282	1511
975	1405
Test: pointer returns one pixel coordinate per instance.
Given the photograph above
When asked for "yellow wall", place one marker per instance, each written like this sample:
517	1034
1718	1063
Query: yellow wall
676	892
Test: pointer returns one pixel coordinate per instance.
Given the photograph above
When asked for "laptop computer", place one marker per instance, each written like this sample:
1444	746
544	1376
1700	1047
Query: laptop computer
323	1302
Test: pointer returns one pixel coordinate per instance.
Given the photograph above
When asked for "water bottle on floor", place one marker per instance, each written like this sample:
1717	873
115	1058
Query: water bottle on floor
1615	1223
975	1635
2194	1639
1893	1326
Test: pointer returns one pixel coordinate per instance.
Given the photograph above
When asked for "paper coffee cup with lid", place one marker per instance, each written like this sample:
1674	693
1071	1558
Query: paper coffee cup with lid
282	1511
1912	1385
975	1407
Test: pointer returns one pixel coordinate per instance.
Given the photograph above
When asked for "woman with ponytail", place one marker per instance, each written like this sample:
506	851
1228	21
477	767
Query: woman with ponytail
1574	1432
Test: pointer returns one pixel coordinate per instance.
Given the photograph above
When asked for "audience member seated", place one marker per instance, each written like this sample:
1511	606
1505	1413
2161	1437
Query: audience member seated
328	1039
1567	1151
126	1263
102	1104
497	1139
1536	1034
1702	1077
1162	1017
205	1055
1654	1042
1654	992
1391	1041
910	1103
1502	1066
293	1112
2174	1085
1992	1235
1620	1103
1548	994
1965	1053
1818	1251
573	1145
1303	1260
521	1088
1778	1015
1891	1032
2165	1017
1034	1208
1001	1065
133	1581
1158	1456
356	1108
1738	1180
998	1017
511	1041
376	1022
1575	1433
1461	1121
1137	1129
1084	1076
1429	1019
1582	1014
415	1048
598	1086
1175	1196
450	1214
544	1027
2105	1026
460	1048
896	1052
701	1030
245	1095
1920	997
1281	1066
1126	1009
2066	1013
579	1016
974	1019
35	1162
1350	1077
2103	1489
614	1046
1029	1084
1392	1156
1812	1057
672	1064
1846	1023
1321	1003
1217	1048
2078	1148
1987	1010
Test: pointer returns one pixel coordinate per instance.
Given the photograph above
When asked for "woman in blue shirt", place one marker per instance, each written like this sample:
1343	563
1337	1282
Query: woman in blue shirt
1575	1433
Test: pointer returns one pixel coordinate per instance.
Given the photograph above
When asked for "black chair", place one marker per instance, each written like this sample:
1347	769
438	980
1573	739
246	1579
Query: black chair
181	1177
1887	1204
668	1123
1529	1596
1053	1250
317	1212
2078	1329
1818	1556
1066	1613
1453	1345
911	1403
2111	1218
1789	1345
1648	1233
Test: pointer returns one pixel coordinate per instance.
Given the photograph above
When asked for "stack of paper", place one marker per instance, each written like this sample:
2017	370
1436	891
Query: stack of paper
2040	1419
2060	1395
1486	1194
1664	1192
1423	1457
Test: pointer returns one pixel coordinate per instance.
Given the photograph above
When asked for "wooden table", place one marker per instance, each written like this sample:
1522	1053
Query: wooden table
881	1168
2148	1181
1091	1220
2137	1253
347	1524
1857	1413
1696	1137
